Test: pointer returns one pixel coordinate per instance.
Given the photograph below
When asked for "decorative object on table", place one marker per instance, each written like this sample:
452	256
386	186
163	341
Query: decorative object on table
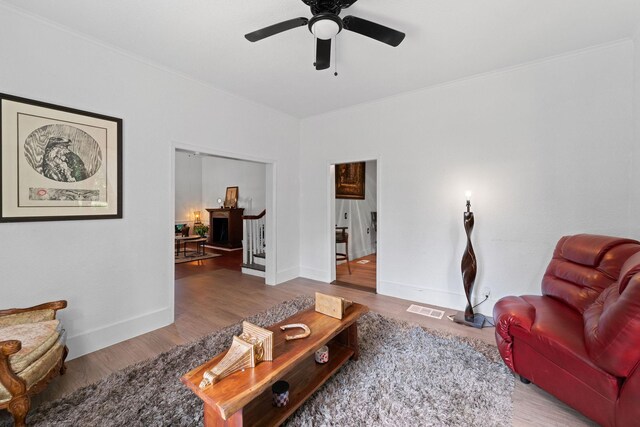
331	306
231	198
254	345
469	268
280	392
201	229
196	218
306	333
220	202
58	163
350	180
322	355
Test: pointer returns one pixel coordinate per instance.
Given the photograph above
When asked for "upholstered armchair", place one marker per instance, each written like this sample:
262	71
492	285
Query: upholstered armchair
32	352
580	339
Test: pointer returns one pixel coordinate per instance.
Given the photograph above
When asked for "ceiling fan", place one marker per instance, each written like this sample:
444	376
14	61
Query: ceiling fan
326	24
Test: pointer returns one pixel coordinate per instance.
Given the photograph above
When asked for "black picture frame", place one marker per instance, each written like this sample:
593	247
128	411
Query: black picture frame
350	178
58	163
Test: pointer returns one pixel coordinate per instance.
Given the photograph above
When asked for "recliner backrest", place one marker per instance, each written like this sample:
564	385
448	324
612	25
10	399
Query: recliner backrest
583	266
612	323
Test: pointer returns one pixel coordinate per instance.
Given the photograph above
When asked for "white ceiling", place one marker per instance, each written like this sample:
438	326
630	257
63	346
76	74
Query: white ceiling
446	40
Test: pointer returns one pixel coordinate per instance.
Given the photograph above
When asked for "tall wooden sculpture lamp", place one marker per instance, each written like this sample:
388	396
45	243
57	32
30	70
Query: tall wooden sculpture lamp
469	268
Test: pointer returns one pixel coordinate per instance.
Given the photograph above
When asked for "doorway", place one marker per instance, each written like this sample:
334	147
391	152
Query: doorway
202	183
355	242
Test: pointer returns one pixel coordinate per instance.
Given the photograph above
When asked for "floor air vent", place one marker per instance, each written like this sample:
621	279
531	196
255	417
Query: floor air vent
426	311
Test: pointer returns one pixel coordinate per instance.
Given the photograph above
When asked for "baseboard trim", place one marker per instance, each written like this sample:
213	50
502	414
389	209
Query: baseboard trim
438	297
314	274
287	274
253	272
96	339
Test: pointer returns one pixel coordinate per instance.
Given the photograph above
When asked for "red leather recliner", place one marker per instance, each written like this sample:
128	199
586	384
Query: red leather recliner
580	340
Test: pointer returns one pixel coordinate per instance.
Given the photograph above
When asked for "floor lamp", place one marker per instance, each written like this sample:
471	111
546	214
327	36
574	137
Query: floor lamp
469	268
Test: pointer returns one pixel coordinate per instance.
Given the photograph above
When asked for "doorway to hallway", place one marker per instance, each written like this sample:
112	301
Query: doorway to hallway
356	224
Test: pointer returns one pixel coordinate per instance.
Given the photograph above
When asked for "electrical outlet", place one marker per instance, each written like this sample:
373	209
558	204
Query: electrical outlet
345	215
367	230
486	292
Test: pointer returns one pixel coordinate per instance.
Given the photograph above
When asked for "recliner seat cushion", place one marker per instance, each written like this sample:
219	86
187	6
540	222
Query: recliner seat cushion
36	338
557	334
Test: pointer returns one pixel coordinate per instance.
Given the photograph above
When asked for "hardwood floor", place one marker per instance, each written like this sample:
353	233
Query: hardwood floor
230	260
363	276
211	296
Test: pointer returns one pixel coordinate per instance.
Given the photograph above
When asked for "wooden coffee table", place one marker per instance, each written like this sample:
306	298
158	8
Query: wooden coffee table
244	398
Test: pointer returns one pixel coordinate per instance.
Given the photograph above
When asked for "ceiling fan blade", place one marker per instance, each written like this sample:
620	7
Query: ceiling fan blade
371	29
275	29
323	54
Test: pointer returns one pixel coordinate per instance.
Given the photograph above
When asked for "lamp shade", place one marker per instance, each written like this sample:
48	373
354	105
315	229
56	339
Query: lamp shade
325	29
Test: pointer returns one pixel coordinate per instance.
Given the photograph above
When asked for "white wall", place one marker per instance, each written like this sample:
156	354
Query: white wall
634	199
201	180
358	212
545	148
188	188
118	274
219	173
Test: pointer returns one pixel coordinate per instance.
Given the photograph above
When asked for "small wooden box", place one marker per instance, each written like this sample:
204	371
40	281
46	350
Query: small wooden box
331	306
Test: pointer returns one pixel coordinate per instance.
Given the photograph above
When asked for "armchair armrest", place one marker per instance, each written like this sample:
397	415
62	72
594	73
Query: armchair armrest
508	312
54	305
14	384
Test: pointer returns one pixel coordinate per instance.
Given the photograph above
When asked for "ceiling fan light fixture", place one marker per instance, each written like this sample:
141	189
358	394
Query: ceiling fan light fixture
325	26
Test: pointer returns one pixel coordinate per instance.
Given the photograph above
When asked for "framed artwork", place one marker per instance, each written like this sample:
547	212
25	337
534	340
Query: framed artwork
231	198
58	163
350	181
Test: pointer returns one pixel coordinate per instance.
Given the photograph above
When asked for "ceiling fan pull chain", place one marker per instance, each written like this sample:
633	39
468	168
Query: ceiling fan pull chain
315	49
335	56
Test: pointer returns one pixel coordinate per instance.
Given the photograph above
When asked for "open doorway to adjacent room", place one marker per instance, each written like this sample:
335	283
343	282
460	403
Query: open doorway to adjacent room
220	214
355	242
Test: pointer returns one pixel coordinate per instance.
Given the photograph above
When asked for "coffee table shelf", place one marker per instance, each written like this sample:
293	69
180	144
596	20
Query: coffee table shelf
244	398
308	377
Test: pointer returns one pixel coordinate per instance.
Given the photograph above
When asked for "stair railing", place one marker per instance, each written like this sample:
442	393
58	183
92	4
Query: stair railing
253	242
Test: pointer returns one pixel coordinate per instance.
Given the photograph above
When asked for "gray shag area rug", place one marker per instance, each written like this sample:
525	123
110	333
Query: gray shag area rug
406	376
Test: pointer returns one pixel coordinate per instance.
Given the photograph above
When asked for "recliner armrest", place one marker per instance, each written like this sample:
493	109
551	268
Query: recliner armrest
508	312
